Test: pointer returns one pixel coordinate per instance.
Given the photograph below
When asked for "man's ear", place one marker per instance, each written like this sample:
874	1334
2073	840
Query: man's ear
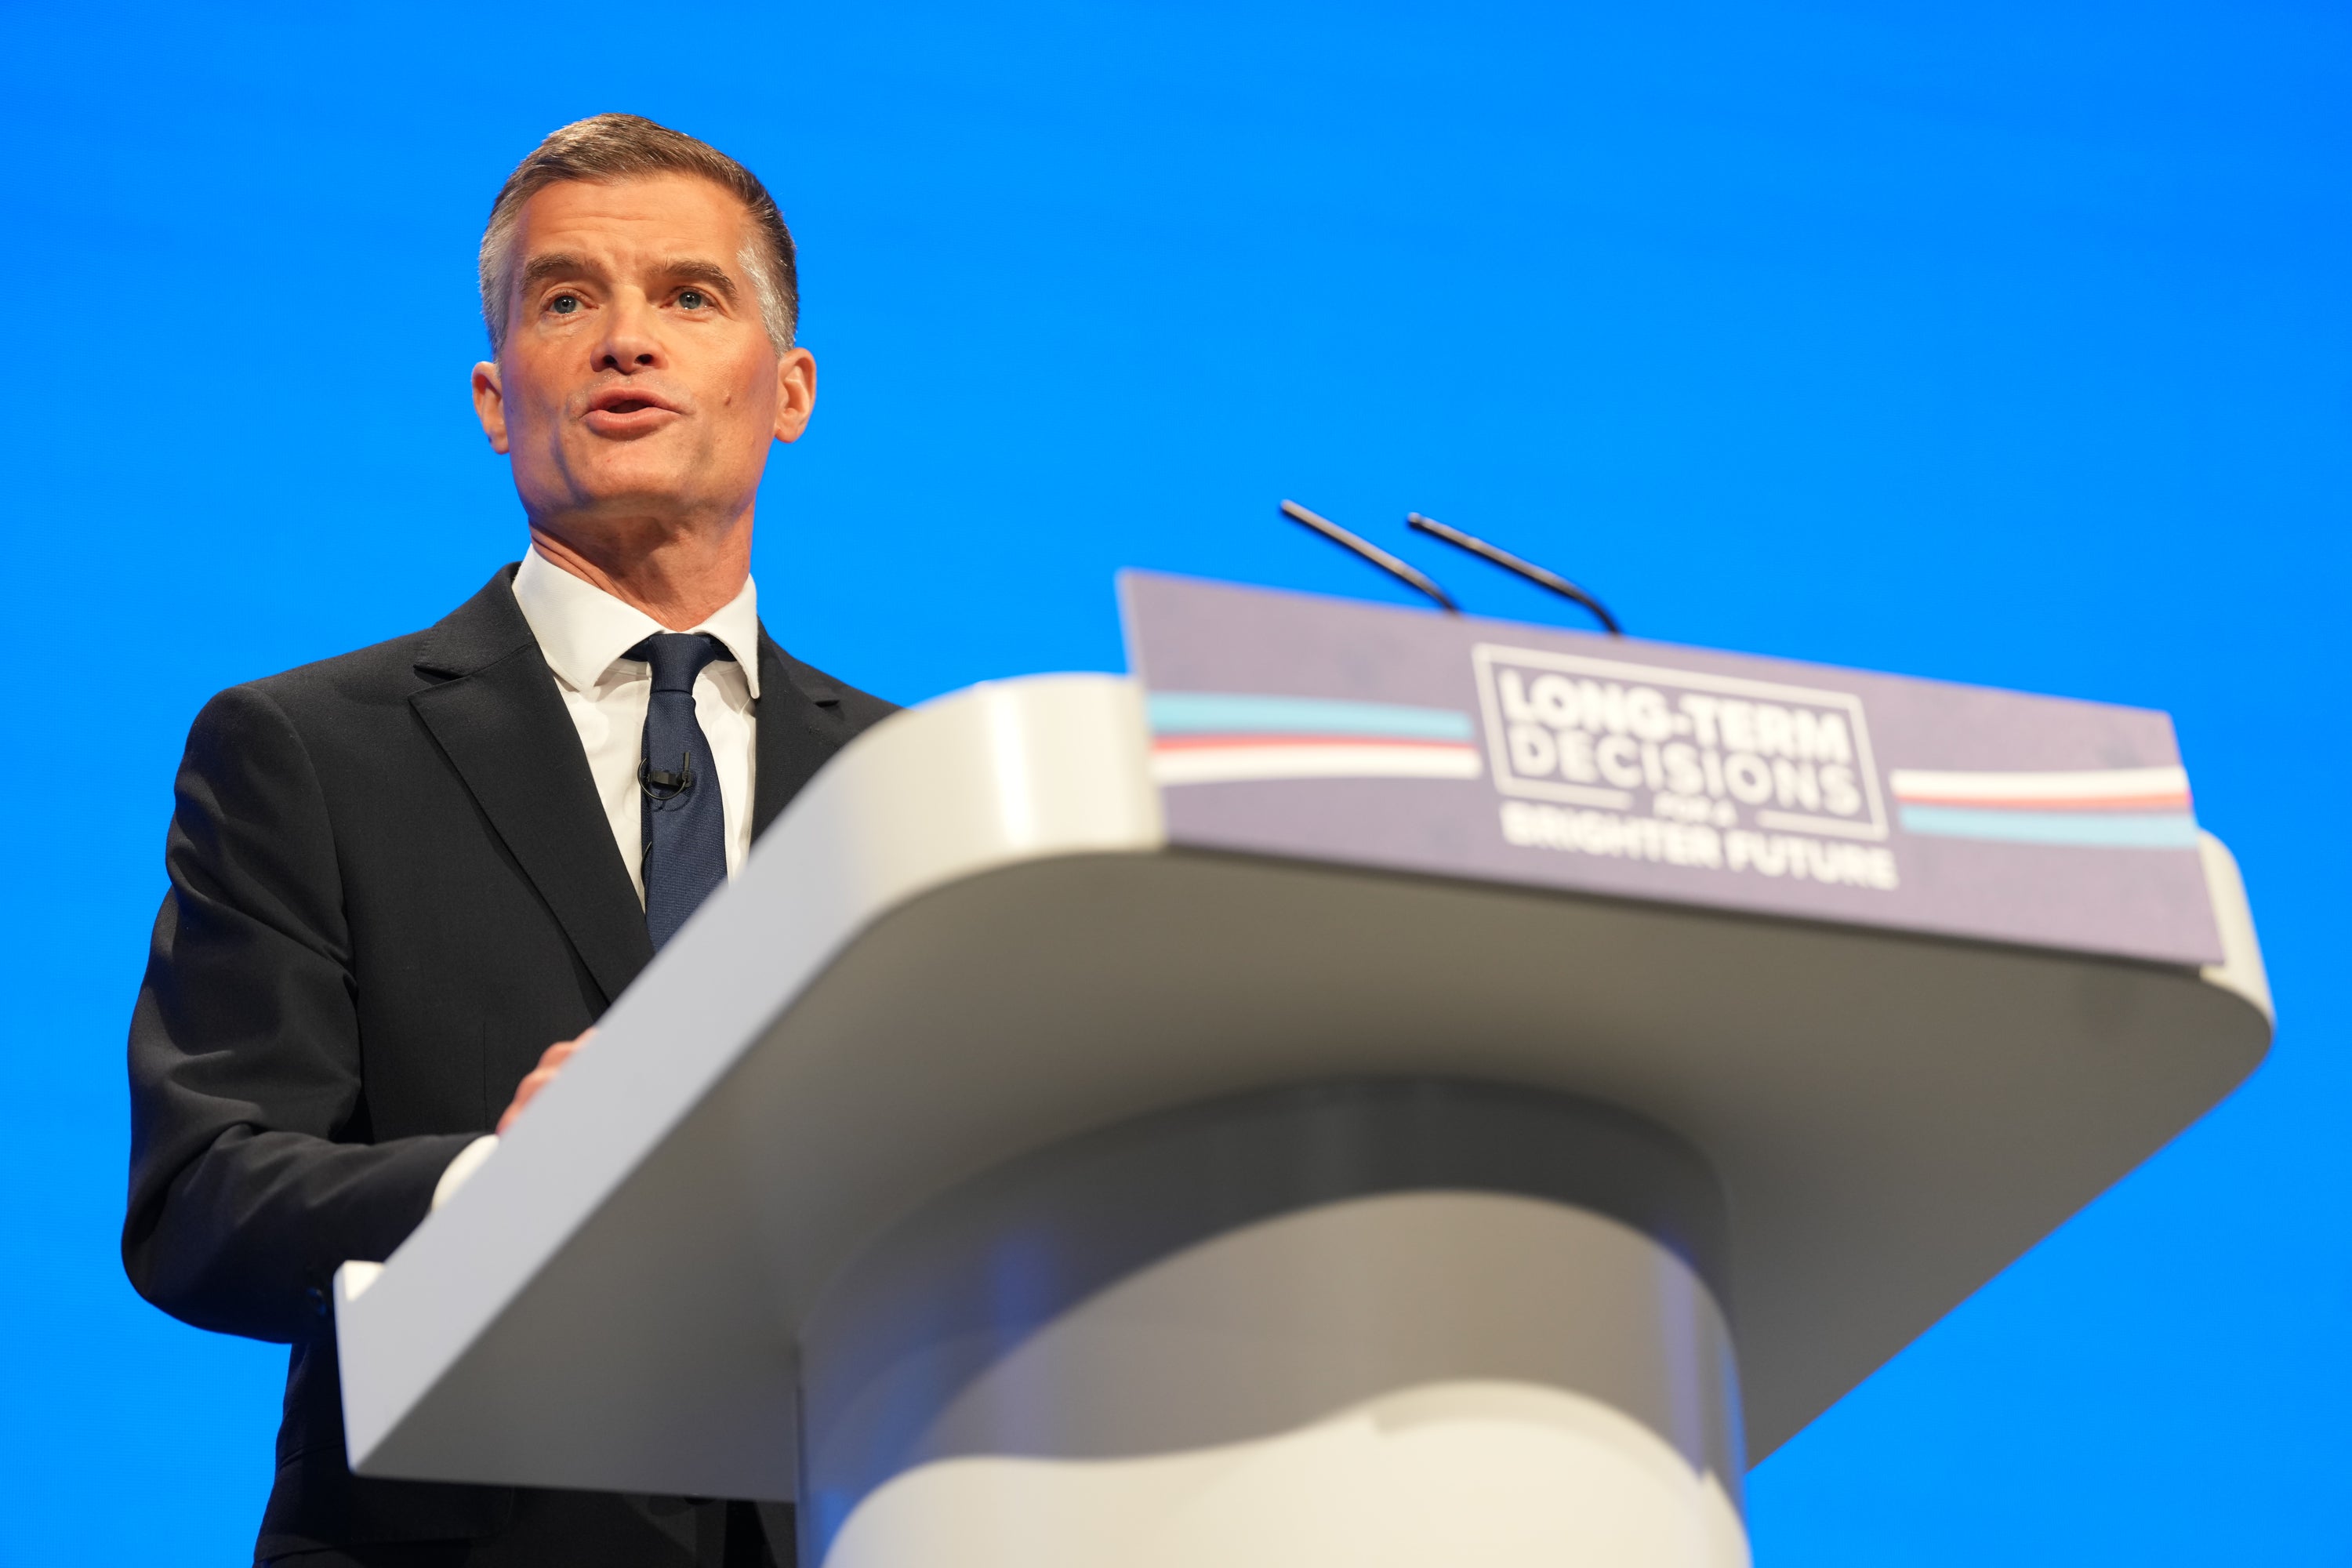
490	403
795	392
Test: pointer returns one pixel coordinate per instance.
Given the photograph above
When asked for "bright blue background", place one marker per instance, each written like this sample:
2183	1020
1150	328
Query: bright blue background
2006	342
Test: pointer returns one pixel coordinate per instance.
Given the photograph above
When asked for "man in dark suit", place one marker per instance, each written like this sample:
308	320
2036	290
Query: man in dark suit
405	882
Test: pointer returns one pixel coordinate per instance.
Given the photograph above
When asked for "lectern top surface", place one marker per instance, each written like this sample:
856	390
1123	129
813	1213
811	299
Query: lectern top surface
989	925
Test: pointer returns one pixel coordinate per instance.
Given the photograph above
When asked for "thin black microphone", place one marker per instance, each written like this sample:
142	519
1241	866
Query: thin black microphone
1541	576
1364	549
666	786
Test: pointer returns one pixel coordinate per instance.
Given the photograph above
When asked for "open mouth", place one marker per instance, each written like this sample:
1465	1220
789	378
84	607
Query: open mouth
627	403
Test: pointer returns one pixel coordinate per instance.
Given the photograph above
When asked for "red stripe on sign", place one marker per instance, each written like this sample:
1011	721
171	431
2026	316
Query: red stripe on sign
2056	803
1232	742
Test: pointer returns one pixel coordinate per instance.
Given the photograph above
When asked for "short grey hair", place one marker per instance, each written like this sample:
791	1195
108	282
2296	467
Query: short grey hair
603	148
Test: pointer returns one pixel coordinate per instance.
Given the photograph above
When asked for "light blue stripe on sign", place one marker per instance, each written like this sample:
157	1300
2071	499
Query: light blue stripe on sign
2094	829
1239	713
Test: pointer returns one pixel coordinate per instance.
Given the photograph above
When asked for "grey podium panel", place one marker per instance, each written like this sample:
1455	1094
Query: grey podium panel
614	1301
1206	1282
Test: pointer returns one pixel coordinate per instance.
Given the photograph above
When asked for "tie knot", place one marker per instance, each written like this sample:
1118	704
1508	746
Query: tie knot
679	656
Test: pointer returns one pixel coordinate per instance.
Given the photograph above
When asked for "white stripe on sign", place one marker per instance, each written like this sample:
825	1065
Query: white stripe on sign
1227	764
2100	785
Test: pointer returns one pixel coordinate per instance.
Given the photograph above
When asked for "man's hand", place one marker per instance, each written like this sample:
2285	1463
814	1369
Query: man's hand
551	1062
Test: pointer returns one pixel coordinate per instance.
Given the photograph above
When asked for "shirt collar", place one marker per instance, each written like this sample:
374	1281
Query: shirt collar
583	630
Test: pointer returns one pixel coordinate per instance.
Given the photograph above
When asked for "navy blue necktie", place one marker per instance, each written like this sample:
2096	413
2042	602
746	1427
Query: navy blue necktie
685	820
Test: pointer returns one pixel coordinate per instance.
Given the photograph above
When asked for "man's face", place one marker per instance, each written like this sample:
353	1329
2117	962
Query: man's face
636	387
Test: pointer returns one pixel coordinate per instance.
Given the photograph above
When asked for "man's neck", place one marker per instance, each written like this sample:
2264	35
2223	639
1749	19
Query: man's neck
680	578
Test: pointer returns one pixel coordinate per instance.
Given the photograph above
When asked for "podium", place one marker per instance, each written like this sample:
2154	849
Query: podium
1365	1088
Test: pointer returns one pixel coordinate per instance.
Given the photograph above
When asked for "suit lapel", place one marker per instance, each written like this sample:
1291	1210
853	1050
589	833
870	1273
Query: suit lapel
495	710
800	727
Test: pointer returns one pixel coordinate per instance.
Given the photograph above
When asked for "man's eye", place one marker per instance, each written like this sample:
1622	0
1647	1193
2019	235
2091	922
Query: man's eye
693	299
564	304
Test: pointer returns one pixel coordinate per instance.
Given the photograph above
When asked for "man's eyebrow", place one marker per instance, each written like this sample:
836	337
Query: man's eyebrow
555	264
695	269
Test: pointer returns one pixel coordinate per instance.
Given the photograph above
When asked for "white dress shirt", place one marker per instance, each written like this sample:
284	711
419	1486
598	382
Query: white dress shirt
585	635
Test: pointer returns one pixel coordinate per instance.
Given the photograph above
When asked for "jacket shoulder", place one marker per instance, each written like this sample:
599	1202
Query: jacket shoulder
862	708
379	671
386	674
859	709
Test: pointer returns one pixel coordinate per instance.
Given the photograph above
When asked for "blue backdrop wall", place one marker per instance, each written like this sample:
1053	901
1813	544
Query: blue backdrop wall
2004	342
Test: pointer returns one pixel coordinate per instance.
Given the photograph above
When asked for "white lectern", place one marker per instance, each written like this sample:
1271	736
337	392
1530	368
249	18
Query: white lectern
1060	1147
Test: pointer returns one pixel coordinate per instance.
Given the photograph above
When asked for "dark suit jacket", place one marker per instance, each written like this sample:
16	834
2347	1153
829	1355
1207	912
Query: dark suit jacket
392	887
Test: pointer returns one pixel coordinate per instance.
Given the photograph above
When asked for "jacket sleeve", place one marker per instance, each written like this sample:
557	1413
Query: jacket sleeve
252	1174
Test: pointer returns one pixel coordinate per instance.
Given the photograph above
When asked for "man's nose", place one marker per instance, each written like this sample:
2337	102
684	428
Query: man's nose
631	341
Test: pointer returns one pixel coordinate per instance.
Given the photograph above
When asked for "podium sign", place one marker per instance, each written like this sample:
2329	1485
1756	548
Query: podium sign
1462	747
